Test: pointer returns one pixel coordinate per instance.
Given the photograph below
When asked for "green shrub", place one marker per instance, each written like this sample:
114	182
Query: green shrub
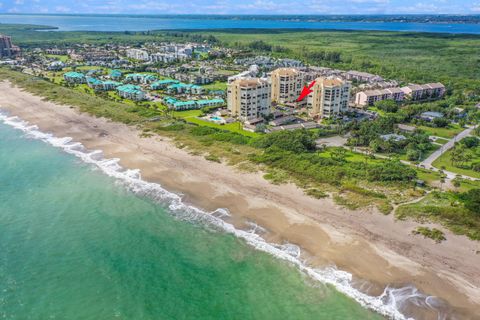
433	234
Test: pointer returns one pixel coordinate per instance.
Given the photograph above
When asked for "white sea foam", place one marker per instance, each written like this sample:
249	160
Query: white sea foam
389	303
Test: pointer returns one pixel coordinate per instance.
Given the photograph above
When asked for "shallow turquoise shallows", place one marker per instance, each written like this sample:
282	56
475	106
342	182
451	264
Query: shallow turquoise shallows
76	245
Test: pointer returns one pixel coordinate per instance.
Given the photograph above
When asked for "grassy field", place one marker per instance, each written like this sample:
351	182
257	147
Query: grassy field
448	132
62	58
217	85
191	116
446	209
444	161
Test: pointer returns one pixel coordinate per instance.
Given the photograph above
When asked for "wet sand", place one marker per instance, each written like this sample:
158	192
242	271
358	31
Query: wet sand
373	247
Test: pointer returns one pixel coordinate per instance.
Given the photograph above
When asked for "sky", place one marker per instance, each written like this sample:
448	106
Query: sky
243	6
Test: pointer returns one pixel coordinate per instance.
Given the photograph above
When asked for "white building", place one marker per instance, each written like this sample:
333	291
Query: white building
138	54
329	97
249	98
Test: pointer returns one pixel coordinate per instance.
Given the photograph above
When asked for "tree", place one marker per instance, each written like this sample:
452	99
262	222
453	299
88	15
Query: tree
388	105
413	154
457	182
338	154
472	201
440	122
442	181
457	154
470	142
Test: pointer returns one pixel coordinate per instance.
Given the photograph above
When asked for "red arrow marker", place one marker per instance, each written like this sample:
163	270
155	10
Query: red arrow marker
306	91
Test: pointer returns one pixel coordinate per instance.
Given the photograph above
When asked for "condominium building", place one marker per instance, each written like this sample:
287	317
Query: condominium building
286	84
362	76
130	91
7	49
429	91
330	96
138	54
369	97
73	77
249	98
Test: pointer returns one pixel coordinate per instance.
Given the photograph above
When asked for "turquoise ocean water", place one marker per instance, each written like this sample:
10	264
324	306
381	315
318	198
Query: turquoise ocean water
76	244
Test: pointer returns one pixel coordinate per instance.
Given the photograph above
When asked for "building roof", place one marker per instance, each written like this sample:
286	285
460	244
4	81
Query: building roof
405	127
393	136
73	74
208	101
94	81
250	82
432	114
379	92
285	71
130	88
330	82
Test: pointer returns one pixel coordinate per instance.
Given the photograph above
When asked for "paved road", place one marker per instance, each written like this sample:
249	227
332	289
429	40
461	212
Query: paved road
427	163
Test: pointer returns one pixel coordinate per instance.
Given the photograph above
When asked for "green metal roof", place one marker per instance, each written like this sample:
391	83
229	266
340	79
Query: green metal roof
73	74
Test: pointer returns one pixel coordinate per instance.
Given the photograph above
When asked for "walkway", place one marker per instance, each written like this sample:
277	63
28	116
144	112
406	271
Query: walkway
427	163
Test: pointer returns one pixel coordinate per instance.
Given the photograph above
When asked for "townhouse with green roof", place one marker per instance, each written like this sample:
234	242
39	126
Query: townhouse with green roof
132	92
115	74
140	78
73	77
185	88
162	84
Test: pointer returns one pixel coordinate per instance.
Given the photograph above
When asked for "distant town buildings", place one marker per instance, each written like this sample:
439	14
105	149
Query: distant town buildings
138	54
249	98
330	96
362	76
7	49
286	84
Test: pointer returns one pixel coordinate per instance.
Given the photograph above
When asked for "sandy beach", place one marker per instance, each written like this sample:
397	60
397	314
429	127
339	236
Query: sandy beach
371	246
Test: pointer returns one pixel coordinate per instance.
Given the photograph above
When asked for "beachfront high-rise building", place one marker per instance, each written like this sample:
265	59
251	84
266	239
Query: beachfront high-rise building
286	84
7	49
330	96
249	98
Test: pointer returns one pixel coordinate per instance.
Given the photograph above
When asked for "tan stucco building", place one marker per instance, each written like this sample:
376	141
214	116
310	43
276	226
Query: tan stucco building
249	98
286	84
330	96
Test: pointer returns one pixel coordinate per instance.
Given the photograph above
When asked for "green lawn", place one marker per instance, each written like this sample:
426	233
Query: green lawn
448	132
442	140
62	58
445	161
187	114
217	85
192	117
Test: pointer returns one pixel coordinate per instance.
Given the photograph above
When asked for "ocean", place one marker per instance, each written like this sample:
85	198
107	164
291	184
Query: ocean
145	22
81	238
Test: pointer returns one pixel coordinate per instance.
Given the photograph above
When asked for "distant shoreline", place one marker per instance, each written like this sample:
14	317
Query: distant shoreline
403	23
404	18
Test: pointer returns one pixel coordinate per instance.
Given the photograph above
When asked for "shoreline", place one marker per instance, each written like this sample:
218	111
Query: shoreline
371	246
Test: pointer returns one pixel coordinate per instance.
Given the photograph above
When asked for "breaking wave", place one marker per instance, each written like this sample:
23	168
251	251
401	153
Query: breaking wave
388	304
